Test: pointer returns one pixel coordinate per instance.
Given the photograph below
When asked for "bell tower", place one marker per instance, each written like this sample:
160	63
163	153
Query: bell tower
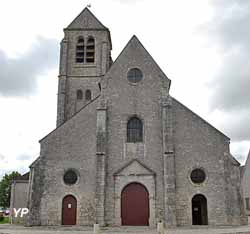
84	58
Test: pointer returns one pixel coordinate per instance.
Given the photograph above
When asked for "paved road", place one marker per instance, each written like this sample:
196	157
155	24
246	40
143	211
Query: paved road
11	229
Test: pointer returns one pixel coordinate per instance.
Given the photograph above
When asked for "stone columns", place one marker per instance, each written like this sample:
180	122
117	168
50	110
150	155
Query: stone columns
101	147
62	83
104	58
61	100
168	162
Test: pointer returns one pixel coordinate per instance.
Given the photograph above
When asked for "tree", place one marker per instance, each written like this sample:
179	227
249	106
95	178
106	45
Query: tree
5	188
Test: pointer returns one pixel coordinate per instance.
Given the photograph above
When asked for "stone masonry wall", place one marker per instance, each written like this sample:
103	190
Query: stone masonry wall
73	76
125	100
198	145
71	146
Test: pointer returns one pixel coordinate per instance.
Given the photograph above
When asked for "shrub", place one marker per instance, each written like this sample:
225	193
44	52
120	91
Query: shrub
1	217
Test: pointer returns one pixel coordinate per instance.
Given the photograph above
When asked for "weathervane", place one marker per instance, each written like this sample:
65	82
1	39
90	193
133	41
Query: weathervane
89	5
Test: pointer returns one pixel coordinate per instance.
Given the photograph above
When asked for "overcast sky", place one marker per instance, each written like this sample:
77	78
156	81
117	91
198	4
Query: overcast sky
202	46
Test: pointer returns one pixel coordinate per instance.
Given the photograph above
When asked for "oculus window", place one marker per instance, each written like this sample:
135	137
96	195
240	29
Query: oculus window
70	177
198	176
134	75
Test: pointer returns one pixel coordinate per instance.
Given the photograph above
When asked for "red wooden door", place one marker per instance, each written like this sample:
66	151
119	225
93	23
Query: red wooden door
135	205
69	210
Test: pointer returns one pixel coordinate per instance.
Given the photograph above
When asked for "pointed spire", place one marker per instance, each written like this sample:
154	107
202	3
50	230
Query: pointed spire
86	20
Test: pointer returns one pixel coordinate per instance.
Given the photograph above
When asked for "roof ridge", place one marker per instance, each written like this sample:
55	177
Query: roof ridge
134	37
82	14
94	99
201	118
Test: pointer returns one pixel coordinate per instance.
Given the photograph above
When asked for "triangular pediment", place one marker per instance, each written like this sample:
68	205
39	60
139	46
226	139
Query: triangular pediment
86	20
134	53
134	167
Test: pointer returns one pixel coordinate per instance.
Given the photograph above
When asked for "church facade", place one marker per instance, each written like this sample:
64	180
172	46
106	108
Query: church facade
125	152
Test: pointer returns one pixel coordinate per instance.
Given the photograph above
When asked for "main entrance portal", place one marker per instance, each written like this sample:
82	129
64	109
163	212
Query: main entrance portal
135	205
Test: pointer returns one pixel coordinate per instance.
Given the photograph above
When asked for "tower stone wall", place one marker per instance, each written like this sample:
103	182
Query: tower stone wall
85	75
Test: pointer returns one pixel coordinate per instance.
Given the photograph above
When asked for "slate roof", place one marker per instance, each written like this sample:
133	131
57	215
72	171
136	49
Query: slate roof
86	20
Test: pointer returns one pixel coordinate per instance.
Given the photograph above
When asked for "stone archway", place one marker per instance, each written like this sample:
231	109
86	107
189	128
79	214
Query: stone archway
135	205
134	172
69	207
199	210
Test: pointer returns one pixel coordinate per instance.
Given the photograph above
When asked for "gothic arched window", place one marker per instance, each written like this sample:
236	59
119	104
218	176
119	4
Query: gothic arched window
80	50
79	94
90	50
134	130
88	95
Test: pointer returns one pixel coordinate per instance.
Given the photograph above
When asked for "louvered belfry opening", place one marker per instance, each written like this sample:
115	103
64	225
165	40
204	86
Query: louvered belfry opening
80	53
90	54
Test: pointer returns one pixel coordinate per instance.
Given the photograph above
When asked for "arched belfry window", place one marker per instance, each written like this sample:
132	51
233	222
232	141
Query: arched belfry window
79	94
80	50
90	51
134	130
88	95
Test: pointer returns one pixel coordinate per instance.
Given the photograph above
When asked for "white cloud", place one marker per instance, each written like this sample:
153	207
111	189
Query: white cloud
170	32
19	75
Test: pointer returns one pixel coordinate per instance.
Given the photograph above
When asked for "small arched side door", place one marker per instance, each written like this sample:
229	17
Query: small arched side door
69	207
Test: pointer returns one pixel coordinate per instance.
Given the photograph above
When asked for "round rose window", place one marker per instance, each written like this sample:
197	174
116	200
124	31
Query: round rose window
70	177
198	176
135	75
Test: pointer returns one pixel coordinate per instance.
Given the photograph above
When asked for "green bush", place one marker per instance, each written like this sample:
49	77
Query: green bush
1	217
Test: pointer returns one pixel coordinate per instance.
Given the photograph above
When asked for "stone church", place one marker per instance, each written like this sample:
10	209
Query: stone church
125	152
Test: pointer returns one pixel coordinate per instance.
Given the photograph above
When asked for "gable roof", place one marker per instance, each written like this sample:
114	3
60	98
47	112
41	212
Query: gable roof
248	158
233	160
135	44
76	113
24	177
86	20
247	164
35	162
221	133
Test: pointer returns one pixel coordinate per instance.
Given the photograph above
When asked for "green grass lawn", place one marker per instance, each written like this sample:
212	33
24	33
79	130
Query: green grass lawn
5	220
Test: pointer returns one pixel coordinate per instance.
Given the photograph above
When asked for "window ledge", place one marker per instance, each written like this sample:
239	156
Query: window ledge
85	65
